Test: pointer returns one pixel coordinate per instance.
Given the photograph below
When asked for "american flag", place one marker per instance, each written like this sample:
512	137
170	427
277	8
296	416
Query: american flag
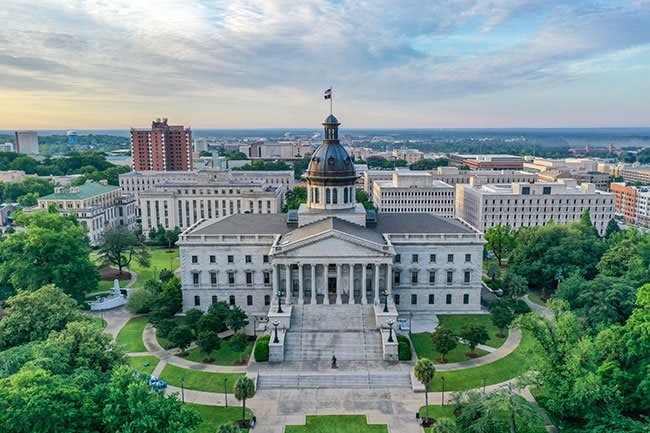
328	93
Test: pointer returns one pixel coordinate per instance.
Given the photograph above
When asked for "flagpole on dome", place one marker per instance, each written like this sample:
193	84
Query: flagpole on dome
328	95
330	100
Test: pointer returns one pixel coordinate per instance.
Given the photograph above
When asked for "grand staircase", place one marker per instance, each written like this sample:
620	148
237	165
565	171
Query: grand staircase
351	380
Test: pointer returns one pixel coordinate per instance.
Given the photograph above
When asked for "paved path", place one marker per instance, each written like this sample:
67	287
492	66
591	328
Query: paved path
115	319
538	308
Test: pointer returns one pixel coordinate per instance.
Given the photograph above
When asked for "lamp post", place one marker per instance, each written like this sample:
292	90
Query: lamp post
443	389
484	384
183	389
225	390
254	326
385	293
410	320
390	322
280	293
275	325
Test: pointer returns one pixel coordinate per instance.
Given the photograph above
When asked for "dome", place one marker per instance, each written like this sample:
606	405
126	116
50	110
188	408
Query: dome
331	120
331	160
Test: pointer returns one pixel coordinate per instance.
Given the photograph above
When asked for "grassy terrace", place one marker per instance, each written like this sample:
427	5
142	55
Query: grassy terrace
336	424
130	336
106	286
422	345
214	416
199	380
160	259
224	356
138	363
99	323
454	322
509	367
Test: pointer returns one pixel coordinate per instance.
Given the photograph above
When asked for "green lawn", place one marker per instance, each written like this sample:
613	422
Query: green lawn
130	336
336	424
138	363
509	367
536	299
223	356
160	259
106	285
99	323
422	344
199	380
213	416
454	322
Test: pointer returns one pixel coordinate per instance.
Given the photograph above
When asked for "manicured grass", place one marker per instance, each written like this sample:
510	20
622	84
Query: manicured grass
138	363
536	299
336	424
199	380
455	322
224	356
213	416
106	286
160	259
422	344
99	323
130	336
509	367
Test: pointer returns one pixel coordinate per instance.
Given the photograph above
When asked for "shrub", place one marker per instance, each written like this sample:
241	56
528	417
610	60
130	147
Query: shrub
521	307
140	301
262	348
166	326
404	348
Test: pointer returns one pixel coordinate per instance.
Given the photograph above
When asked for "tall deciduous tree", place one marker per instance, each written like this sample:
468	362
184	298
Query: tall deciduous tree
120	245
181	337
501	317
474	335
209	342
244	389
515	285
236	318
424	371
500	241
443	341
52	250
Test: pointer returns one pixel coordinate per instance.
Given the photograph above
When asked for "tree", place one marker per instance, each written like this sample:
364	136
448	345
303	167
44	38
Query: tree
52	250
474	335
141	301
120	245
502	317
228	428
500	241
244	389
171	237
31	316
362	197
215	318
238	343
294	198
445	425
192	318
515	285
236	318
612	228
209	342
28	200
181	337
424	372
443	341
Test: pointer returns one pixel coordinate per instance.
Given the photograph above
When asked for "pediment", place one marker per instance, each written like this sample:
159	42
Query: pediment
334	244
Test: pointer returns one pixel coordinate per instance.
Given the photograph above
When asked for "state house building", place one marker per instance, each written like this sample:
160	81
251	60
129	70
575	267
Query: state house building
331	251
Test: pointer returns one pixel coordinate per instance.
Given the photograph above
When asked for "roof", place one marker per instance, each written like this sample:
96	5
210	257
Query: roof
245	224
81	192
418	223
332	224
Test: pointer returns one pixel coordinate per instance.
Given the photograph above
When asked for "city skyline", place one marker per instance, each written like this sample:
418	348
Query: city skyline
236	64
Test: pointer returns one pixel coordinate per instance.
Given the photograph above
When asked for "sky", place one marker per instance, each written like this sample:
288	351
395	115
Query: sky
90	64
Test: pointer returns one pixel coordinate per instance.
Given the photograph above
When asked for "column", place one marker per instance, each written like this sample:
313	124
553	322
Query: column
389	279
351	287
313	283
301	299
364	298
274	280
339	281
288	285
326	299
377	300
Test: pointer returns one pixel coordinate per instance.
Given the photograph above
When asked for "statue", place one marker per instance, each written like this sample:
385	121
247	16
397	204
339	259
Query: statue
334	361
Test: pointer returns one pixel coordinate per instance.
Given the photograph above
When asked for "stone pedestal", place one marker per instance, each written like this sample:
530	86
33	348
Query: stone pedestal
390	348
382	318
284	318
276	350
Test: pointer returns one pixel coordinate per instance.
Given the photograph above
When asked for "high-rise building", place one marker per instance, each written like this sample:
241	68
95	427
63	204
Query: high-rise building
27	142
163	147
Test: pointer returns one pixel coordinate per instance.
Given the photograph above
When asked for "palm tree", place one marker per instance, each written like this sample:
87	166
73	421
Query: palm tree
244	388
424	372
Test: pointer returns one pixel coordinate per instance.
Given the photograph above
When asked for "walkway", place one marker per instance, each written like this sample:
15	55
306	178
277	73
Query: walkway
538	308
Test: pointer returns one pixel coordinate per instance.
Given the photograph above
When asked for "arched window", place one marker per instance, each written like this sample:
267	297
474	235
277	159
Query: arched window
335	193
327	196
316	195
345	195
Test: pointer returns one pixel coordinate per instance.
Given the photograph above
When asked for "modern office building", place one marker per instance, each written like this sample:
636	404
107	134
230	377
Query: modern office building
27	142
632	203
97	205
639	174
487	162
528	205
162	148
414	192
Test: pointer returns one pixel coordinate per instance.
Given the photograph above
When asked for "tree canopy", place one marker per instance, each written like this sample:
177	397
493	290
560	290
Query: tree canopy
120	245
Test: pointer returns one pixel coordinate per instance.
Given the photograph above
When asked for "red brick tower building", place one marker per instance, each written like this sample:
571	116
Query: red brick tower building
162	148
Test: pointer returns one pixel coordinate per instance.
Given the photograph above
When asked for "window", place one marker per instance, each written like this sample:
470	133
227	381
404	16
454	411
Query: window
249	278
396	299
525	190
467	277
414	258
450	258
432	299
231	278
546	190
231	259
265	258
249	300
267	299
213	278
214	299
231	300
432	258
414	278
267	278
213	259
195	278
249	259
398	258
398	278
468	257
432	277
448	299
450	277
195	259
414	299
466	299
197	300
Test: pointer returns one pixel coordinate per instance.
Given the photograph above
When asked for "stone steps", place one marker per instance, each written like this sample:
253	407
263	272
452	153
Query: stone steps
333	380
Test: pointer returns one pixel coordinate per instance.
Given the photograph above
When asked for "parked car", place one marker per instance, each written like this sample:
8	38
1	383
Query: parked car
404	325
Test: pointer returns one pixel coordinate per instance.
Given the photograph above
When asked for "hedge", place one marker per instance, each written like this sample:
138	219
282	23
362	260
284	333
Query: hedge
262	348
404	348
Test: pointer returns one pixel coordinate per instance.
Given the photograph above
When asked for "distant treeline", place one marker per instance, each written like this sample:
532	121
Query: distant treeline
58	144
